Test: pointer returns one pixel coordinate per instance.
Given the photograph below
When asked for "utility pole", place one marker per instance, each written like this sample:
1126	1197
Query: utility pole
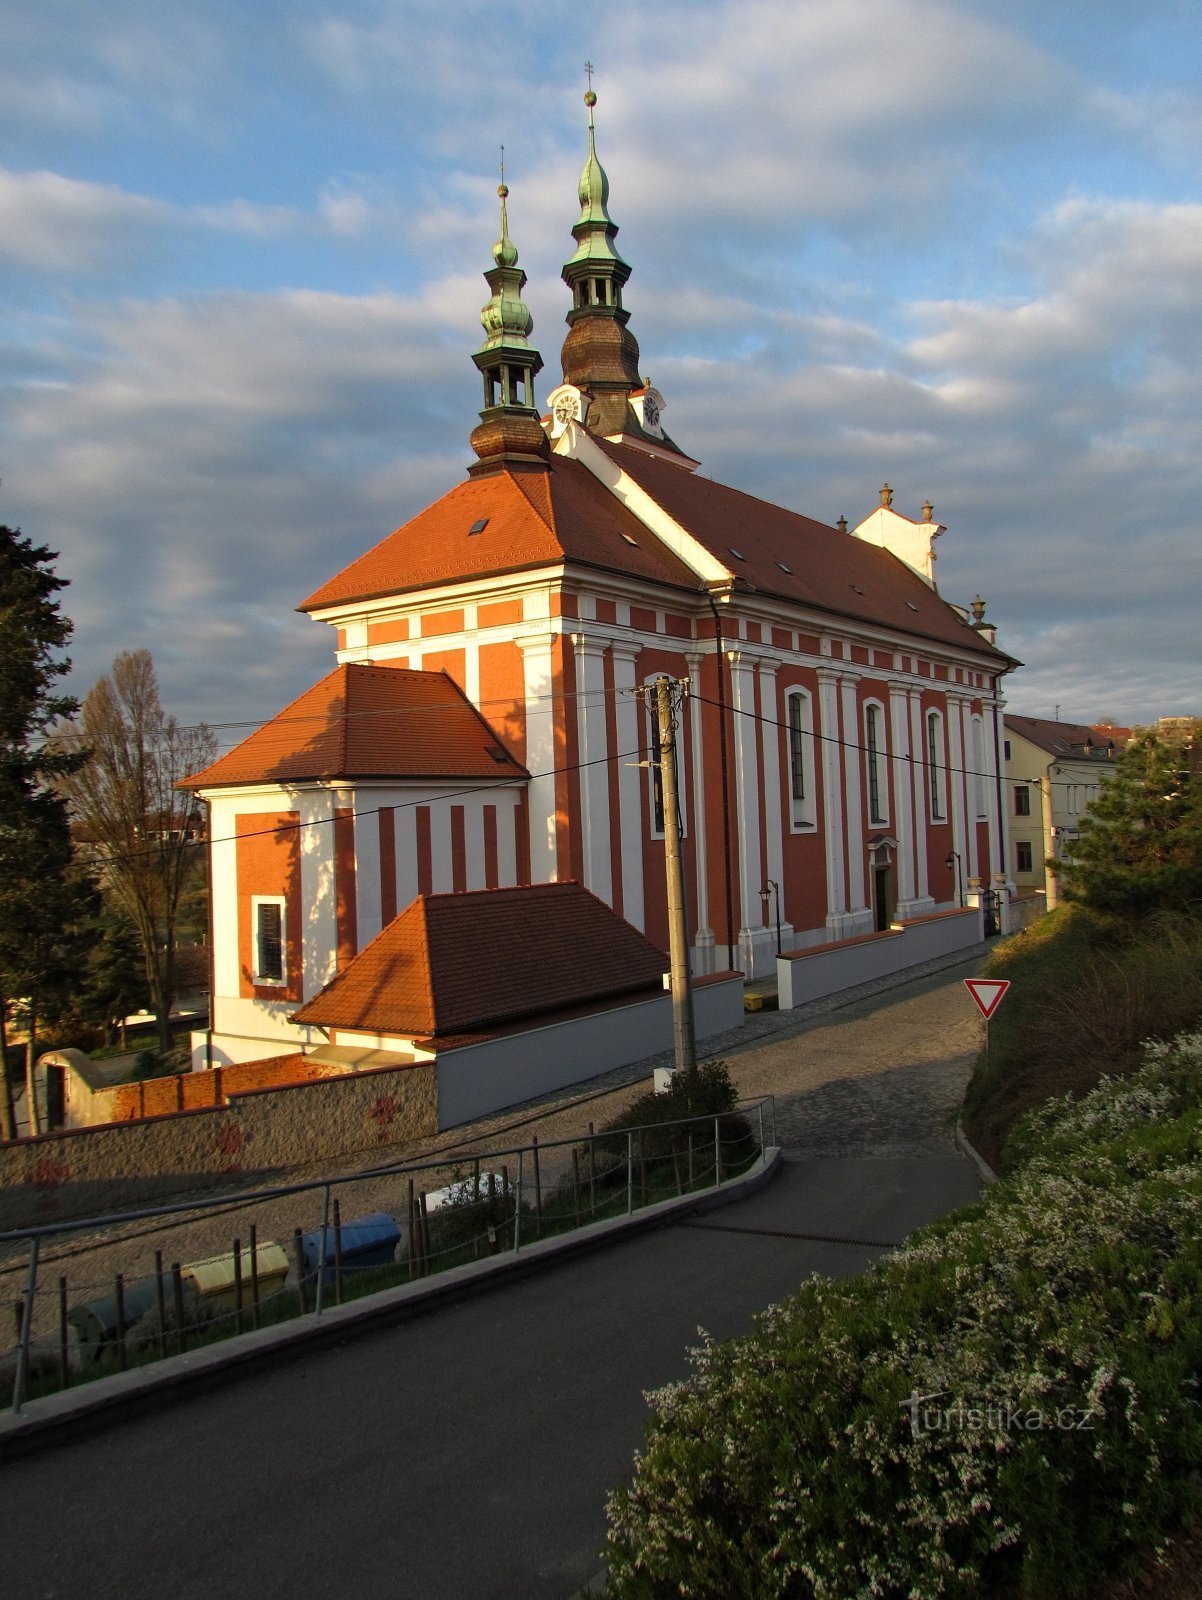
683	1033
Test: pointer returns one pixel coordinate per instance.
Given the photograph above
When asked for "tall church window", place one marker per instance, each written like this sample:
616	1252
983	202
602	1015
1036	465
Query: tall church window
874	763
655	785
978	768
799	725
267	927
935	765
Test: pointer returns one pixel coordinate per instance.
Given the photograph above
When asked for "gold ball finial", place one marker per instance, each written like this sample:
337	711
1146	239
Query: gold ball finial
590	99
503	190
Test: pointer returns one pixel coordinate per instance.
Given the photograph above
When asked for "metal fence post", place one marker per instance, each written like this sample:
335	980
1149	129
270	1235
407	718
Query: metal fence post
717	1153
629	1173
772	1103
761	1130
321	1254
22	1374
517	1203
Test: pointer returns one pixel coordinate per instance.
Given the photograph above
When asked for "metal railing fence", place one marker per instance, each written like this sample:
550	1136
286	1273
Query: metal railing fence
498	1201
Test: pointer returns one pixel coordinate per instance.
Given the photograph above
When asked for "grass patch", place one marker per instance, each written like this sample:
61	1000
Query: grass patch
1086	990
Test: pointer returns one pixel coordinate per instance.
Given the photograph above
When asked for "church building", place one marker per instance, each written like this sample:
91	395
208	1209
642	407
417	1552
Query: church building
485	724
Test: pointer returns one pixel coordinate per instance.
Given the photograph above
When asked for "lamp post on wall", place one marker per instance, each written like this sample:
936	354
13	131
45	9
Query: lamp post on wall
772	888
953	860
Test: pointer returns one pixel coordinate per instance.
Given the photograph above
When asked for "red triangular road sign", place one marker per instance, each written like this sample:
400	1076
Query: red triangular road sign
987	993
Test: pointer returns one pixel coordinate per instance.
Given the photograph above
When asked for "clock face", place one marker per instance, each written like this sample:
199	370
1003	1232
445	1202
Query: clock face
565	408
650	413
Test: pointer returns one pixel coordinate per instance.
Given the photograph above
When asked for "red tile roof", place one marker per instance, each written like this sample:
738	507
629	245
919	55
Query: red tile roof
368	721
829	570
532	519
460	963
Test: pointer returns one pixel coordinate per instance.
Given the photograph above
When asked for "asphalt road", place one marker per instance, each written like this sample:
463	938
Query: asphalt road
467	1453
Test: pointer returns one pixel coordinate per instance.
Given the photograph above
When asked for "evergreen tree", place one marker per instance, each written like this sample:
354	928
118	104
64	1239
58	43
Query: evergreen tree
1140	847
42	898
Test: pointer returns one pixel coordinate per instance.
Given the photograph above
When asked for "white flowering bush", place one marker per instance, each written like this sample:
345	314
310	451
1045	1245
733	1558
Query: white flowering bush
1012	1396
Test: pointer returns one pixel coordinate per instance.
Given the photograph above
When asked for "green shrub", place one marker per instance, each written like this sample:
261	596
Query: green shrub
877	1437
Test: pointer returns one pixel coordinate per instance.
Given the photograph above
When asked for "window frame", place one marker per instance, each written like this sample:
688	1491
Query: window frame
655	797
1022	799
1021	845
936	763
876	776
799	758
259	903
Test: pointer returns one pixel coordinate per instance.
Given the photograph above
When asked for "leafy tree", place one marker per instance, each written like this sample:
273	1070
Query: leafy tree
43	900
1140	847
140	831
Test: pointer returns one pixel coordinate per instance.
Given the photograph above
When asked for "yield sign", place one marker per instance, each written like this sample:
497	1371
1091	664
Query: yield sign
987	993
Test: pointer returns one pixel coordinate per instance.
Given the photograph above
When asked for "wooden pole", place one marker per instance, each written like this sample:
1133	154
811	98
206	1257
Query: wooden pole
683	1031
427	1258
592	1174
538	1192
412	1231
337	1253
576	1184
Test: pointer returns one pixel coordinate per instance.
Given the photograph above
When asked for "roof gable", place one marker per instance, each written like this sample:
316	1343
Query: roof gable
368	721
453	964
529	519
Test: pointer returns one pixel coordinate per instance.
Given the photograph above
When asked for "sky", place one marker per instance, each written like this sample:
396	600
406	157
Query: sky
951	244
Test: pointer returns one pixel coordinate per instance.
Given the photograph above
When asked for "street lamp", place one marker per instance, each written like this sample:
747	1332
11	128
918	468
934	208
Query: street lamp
772	888
953	860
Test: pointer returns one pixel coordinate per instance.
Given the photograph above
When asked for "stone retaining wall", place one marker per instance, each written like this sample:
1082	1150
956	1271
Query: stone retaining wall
91	1171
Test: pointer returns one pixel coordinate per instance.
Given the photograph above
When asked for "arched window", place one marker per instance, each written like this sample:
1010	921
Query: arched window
874	763
935	766
799	733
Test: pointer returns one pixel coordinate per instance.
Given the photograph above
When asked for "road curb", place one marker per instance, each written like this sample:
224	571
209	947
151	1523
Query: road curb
966	1147
58	1417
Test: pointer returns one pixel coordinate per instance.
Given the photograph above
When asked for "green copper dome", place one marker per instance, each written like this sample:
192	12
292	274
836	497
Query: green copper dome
506	318
595	231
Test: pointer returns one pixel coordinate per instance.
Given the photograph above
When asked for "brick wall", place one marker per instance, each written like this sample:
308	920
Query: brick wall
189	1091
91	1171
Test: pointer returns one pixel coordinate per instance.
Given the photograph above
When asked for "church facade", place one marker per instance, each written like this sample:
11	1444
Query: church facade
487	723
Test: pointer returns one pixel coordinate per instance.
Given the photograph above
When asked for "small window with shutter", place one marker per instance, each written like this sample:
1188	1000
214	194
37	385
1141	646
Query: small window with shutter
269	940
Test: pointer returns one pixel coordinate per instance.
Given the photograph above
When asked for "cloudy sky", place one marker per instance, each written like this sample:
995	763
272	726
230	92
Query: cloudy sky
955	245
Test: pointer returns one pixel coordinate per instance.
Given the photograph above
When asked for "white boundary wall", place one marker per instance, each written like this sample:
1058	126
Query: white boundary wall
815	973
482	1078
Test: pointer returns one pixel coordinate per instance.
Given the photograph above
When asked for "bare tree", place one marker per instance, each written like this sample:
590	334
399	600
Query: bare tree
141	833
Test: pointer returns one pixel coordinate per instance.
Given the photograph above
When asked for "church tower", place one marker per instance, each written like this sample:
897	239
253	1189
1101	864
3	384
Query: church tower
509	433
600	354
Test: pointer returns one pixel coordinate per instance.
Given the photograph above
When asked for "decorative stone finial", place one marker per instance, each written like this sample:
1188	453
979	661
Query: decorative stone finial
886	495
842	524
928	512
978	611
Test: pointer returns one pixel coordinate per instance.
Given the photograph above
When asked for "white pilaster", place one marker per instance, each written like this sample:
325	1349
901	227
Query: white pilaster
540	753
594	770
955	777
703	948
368	909
923	899
318	897
837	919
771	778
757	943
630	815
857	902
903	795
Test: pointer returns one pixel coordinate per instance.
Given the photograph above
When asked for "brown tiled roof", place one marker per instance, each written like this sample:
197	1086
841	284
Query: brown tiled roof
1069	741
532	519
368	721
829	570
459	963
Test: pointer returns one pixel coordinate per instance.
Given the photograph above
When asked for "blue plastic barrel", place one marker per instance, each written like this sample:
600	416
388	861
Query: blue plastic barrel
369	1241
